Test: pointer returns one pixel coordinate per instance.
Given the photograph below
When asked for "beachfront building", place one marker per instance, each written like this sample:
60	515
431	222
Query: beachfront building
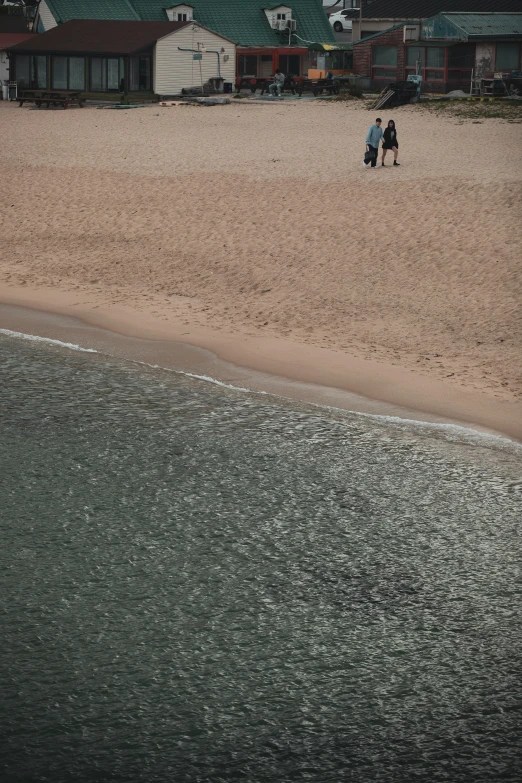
268	35
447	50
144	58
15	27
376	16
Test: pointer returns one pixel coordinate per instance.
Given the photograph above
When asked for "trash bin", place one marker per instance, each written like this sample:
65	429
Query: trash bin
227	87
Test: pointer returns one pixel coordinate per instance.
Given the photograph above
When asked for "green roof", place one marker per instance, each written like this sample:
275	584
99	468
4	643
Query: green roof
64	10
243	21
473	25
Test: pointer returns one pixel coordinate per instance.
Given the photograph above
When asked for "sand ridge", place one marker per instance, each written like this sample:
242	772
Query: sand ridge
260	220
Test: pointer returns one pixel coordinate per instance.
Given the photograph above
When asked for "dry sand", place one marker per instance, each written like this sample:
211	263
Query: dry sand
254	230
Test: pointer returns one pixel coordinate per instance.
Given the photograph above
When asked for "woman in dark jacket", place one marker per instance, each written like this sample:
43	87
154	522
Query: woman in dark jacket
390	142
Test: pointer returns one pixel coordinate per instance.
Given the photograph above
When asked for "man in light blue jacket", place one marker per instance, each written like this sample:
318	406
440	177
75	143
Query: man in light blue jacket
373	137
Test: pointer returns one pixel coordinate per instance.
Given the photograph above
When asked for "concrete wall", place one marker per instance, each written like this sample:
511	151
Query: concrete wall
175	70
46	16
484	58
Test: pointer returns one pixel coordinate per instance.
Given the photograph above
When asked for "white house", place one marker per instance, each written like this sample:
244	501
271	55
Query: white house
108	56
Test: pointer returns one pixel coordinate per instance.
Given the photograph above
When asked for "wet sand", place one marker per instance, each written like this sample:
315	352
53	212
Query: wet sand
254	233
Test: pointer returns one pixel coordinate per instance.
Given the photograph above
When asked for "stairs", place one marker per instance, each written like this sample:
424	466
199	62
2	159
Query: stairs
384	98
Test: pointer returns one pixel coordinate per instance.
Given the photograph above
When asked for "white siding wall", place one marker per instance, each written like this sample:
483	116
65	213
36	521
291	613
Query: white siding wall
271	14
175	70
46	16
4	67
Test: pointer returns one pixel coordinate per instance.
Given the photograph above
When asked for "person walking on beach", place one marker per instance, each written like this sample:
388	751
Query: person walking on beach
390	142
373	137
277	84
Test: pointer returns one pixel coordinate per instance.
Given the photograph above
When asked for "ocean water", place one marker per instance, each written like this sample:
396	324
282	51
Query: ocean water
202	585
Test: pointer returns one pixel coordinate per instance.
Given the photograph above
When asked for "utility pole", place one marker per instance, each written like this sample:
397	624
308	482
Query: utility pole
360	19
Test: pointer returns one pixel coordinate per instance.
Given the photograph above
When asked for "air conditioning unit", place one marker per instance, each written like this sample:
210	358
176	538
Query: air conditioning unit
280	24
291	24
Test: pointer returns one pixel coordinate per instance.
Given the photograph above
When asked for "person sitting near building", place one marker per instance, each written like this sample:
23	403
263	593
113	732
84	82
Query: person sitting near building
373	137
390	142
277	84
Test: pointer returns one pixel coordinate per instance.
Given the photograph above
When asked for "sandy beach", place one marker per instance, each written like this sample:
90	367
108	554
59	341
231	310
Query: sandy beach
252	230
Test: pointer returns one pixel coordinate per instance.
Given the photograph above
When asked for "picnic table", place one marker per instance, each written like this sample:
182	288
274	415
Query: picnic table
317	86
253	83
51	98
296	84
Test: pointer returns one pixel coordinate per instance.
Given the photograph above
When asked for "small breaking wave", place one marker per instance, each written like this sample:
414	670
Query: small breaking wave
37	338
453	432
207	378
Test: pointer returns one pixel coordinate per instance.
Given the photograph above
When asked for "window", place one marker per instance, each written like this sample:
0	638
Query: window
461	60
107	74
68	73
435	57
415	54
76	73
411	34
429	59
182	17
23	70
113	73
59	80
31	71
140	73
290	64
384	73
385	55
461	56
247	64
98	74
282	17
508	57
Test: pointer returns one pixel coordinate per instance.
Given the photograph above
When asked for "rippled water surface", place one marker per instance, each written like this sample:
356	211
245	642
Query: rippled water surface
203	585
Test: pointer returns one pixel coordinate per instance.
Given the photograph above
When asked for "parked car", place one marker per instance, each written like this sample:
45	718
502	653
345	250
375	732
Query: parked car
339	20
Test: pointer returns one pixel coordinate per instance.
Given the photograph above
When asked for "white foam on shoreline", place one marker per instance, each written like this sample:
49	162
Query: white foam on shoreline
207	378
459	432
36	338
464	434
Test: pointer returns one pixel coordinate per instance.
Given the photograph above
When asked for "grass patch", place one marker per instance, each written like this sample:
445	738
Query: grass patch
477	111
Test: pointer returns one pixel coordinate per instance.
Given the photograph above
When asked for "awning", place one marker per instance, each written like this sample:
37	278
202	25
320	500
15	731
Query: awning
340	47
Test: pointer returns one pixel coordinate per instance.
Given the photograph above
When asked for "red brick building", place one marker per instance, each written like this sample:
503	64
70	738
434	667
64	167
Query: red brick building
447	50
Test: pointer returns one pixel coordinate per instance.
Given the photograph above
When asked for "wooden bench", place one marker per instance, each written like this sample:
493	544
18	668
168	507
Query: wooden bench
51	98
29	96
